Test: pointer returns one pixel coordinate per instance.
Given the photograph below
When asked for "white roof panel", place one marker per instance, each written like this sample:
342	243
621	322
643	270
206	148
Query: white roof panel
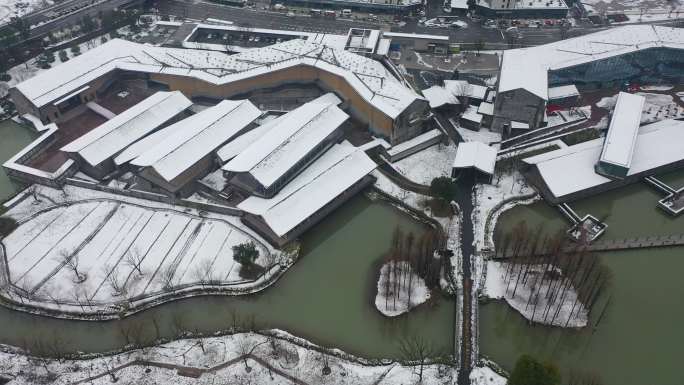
116	134
475	154
320	183
233	148
562	92
571	169
202	133
369	78
623	129
299	131
527	68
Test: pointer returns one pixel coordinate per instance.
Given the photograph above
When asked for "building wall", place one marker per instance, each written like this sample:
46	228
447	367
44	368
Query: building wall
51	113
519	105
411	122
180	186
533	176
378	122
245	181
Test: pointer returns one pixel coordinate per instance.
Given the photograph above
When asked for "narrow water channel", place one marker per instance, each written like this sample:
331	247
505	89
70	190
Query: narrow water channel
639	340
326	297
13	137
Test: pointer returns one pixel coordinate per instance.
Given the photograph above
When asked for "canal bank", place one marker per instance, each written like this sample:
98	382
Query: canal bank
638	339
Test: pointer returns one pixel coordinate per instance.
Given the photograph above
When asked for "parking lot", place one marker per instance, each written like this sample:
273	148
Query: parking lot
242	38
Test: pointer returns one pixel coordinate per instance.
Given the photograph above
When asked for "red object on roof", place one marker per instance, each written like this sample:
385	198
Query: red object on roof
552	108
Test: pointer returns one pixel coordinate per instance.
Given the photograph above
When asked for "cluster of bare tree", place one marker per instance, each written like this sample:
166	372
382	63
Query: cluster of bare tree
406	258
552	272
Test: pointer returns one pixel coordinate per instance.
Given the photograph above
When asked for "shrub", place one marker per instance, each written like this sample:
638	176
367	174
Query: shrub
444	188
529	371
5	77
7	225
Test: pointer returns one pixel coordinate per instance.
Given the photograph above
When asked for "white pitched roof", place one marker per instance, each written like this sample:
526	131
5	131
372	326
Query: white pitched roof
475	154
293	136
369	78
325	179
200	135
527	68
233	148
438	96
623	129
561	92
116	134
571	169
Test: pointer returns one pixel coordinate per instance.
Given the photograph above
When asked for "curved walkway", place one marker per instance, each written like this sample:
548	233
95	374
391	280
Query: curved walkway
193	371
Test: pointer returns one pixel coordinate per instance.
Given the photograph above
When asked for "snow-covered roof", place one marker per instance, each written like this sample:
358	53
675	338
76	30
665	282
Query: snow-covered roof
527	68
486	108
202	133
562	92
623	129
414	142
325	179
471	114
114	135
475	154
571	169
369	78
519	125
459	4
438	96
293	136
233	148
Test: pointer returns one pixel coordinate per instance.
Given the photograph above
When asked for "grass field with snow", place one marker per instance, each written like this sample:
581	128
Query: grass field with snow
104	250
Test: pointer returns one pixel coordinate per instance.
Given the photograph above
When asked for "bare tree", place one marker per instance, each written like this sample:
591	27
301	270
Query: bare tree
114	280
134	259
70	261
165	278
462	92
416	350
202	272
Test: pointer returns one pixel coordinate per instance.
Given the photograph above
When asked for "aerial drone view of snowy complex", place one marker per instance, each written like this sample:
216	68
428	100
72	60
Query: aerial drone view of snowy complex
341	192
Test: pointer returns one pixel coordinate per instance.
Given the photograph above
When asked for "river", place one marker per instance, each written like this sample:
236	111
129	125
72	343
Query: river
13	137
639	340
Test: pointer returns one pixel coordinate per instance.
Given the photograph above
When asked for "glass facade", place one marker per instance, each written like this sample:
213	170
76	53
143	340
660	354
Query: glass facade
648	66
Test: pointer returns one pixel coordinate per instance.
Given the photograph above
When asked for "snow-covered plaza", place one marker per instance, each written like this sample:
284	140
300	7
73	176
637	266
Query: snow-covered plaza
83	248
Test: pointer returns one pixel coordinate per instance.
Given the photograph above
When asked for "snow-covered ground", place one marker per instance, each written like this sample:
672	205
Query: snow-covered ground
488	196
273	357
483	135
652	9
416	201
657	107
11	8
565	311
432	162
484	375
83	250
402	282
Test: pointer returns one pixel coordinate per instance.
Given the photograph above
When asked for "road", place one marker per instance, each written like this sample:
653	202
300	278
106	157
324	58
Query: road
275	20
89	10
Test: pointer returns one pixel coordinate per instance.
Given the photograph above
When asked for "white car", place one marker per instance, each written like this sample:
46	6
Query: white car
290	14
